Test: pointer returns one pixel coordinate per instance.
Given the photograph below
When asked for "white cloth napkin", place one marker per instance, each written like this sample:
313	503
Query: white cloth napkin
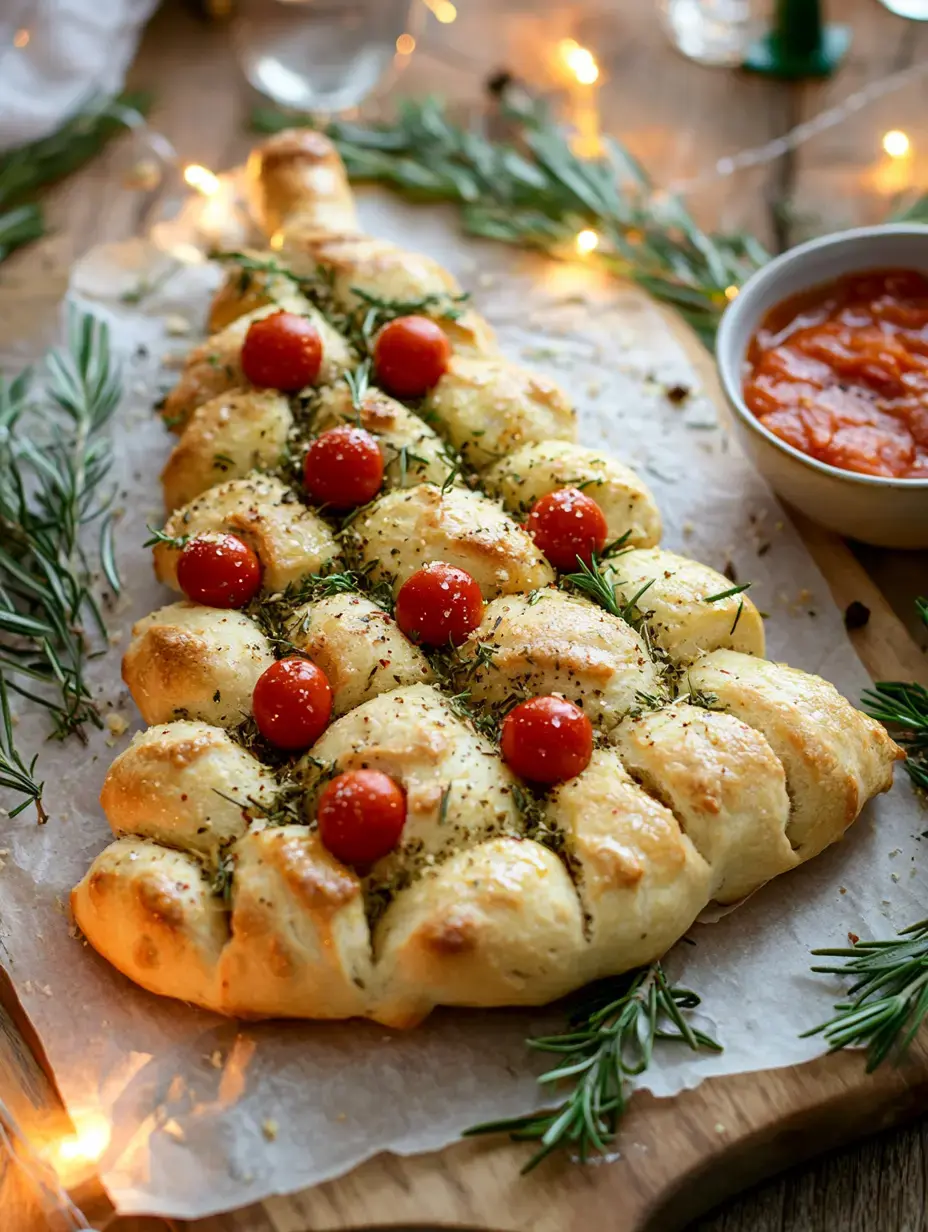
56	53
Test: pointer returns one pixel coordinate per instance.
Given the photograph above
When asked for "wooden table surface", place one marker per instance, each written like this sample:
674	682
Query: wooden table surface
679	118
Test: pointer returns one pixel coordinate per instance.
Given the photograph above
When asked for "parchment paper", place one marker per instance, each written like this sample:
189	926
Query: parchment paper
208	1115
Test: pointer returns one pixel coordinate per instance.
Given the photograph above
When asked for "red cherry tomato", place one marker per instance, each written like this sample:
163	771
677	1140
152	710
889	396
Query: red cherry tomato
282	351
219	570
439	604
410	356
547	740
361	815
292	703
566	524
343	468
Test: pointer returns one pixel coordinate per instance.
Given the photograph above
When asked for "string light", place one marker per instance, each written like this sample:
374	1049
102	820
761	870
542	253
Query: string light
21	38
896	143
86	1145
442	10
405	44
202	179
586	241
731	293
580	61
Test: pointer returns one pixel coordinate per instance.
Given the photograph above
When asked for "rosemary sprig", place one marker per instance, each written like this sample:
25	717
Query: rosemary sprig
534	191
904	707
888	1001
15	775
28	168
727	594
54	460
591	580
609	1040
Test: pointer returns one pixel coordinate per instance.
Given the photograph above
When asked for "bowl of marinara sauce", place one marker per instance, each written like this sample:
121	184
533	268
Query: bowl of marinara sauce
823	358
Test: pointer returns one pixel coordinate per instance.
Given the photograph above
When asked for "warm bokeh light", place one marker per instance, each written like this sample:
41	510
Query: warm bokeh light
896	143
21	38
586	241
579	60
405	44
74	1154
202	180
443	10
731	293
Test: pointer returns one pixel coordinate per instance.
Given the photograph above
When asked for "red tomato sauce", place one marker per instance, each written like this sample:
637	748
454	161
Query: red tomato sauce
841	373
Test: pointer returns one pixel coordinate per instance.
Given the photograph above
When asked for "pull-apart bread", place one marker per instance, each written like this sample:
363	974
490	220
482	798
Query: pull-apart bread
709	769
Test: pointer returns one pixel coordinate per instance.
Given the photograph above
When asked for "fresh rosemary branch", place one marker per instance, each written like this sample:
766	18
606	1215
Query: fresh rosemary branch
889	999
534	191
608	1041
591	580
54	460
15	775
28	168
905	707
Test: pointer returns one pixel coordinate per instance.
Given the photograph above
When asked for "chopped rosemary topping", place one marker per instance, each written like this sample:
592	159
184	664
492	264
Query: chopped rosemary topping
888	1002
608	1041
734	623
727	594
159	536
593	582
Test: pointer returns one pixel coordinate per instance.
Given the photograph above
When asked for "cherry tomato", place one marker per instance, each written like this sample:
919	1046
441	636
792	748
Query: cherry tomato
439	604
410	356
361	815
547	740
282	351
566	524
292	703
219	570
343	468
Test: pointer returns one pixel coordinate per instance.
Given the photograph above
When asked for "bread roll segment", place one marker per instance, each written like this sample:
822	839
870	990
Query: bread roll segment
835	757
187	785
405	530
154	915
291	541
216	365
554	643
413	453
300	944
489	406
359	647
674	605
457	789
226	438
723	783
497	894
527	474
188	661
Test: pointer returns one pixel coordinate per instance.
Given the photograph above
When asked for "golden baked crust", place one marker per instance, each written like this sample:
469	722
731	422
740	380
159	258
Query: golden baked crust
550	642
671	595
527	474
188	661
404	530
359	647
714	770
291	541
226	438
413	452
216	365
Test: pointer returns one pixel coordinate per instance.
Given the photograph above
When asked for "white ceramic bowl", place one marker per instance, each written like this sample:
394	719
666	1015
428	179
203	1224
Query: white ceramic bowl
886	512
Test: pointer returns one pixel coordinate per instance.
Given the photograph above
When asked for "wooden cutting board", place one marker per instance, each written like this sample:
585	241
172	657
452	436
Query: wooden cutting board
675	1157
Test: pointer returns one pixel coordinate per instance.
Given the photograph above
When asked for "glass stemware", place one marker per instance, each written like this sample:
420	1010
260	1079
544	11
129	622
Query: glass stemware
324	56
